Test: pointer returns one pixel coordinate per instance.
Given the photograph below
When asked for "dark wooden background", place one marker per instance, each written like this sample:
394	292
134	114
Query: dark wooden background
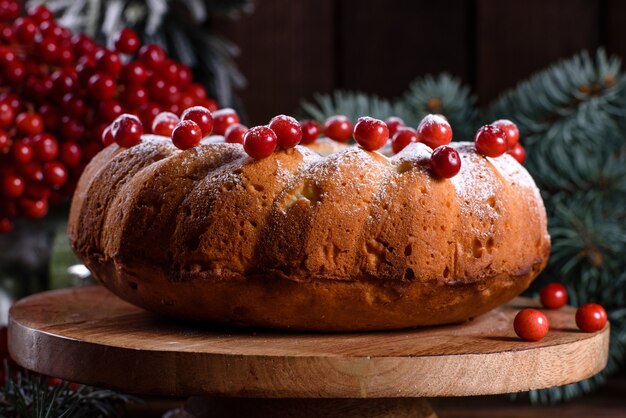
291	49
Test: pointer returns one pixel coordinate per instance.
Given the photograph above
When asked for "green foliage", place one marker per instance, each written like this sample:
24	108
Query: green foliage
446	95
572	120
30	395
351	104
442	94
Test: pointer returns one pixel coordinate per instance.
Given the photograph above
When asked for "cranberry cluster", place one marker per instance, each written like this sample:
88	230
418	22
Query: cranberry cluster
186	131
59	91
373	134
499	137
532	325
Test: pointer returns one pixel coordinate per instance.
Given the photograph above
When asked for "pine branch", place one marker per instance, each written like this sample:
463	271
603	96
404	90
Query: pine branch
30	395
445	95
442	94
571	119
351	104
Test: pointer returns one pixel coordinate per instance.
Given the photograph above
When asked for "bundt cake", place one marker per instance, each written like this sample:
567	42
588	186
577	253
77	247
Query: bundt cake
353	240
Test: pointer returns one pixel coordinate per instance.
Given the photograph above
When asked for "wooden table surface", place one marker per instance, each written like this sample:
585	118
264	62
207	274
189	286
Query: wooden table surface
90	336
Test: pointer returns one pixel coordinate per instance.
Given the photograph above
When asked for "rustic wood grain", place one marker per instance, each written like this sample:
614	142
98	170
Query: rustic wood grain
90	336
614	30
287	54
383	46
515	39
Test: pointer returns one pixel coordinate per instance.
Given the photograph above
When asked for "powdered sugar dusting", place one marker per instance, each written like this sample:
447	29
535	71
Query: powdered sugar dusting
433	119
213	139
415	151
474	184
513	172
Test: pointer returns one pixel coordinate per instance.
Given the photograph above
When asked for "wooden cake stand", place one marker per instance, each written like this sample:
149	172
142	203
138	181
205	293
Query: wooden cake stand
88	335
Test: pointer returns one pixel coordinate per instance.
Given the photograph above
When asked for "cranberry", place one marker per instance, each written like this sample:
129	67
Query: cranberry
510	130
74	105
33	209
287	129
108	62
338	127
185	76
70	154
531	324
64	81
15	72
29	123
445	162
209	104
101	86
434	131
25	29
393	123
259	142
169	70
32	171
403	137
107	136
71	129
40	13
7	115
198	91
310	131
201	116
109	110
222	119
37	191
148	112
46	147
134	95
13	185
152	55
518	153
54	174
48	50
134	73
490	141
553	296
234	134
127	130
371	133
158	87
164	123
591	317
82	44
187	134
127	41
22	153
9	10
51	116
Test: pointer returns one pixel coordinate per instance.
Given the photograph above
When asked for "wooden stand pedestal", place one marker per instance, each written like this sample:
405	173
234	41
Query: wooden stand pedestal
88	335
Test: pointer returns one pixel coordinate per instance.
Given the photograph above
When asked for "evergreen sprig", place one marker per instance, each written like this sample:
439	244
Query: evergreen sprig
445	95
442	94
30	395
571	119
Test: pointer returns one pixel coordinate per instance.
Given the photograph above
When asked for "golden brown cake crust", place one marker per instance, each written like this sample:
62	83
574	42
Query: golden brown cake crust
351	241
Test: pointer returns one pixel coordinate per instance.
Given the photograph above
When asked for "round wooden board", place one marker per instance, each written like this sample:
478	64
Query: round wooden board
90	336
